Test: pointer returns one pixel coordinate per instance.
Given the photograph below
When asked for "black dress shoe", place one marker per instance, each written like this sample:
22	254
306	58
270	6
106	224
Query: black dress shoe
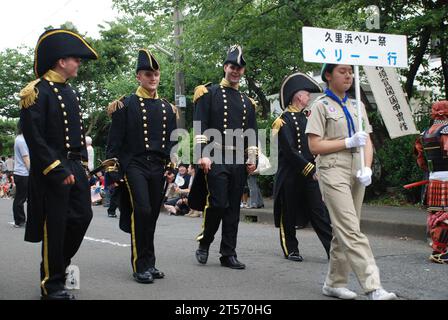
58	295
202	255
232	262
143	277
156	274
295	256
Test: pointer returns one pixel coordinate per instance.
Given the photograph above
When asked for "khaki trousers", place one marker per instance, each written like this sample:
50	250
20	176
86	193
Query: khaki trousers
343	195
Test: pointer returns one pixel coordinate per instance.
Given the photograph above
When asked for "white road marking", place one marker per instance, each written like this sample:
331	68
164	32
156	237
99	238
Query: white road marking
117	244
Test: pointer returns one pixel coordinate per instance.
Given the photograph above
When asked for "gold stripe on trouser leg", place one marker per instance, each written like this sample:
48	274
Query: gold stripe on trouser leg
207	205
45	257
134	244
282	234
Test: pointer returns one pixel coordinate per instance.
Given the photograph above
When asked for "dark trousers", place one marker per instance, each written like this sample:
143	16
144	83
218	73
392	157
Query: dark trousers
114	200
145	181
302	196
225	184
68	215
20	198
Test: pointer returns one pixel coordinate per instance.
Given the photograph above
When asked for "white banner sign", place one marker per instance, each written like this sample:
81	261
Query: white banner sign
354	48
391	101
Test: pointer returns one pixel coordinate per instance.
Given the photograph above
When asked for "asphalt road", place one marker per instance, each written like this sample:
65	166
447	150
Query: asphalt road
104	261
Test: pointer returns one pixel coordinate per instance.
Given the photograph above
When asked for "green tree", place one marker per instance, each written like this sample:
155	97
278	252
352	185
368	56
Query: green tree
16	70
8	129
424	22
270	32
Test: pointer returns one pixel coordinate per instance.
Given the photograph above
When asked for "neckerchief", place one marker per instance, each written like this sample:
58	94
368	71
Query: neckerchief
348	116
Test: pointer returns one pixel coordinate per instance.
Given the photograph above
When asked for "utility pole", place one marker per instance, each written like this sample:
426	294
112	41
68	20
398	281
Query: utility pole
179	81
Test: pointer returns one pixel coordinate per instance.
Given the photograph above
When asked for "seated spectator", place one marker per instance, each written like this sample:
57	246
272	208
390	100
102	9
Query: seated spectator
9	162
191	172
183	176
3	181
6	186
177	202
97	189
170	196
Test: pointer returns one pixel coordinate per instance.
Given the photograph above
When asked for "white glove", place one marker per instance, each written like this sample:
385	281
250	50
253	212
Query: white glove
358	140
366	177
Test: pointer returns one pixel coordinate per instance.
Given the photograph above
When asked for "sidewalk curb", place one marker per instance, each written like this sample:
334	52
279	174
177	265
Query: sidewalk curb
396	229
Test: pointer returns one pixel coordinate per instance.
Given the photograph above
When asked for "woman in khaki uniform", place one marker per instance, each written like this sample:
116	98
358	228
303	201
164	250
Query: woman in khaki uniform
334	135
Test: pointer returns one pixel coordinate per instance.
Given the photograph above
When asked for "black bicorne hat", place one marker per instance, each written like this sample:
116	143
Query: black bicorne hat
296	82
146	61
57	44
235	56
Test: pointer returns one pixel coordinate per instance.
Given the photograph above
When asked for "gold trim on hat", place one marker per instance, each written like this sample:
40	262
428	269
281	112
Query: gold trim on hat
150	57
55	32
282	101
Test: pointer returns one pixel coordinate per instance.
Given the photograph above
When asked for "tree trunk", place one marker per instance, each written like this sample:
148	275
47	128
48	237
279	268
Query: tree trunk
92	123
444	60
419	55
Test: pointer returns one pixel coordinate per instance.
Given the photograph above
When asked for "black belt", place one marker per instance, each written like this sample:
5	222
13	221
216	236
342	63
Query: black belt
72	155
152	155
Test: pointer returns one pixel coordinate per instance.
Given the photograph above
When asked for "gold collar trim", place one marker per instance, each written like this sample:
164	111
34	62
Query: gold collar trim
293	109
53	76
143	93
227	84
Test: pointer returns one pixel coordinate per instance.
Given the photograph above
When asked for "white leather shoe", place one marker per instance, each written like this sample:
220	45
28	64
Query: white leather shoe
381	294
340	293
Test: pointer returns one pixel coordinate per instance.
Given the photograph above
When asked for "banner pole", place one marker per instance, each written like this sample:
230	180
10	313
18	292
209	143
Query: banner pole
360	120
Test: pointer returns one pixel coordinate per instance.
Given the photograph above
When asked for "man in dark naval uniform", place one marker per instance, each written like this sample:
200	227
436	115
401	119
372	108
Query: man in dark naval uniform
297	198
59	208
229	115
139	140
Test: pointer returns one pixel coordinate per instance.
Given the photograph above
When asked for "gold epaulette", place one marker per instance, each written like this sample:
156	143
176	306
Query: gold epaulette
254	103
278	123
115	105
29	94
199	91
175	110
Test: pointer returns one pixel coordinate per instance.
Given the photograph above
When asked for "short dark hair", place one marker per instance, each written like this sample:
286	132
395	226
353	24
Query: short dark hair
183	165
170	171
328	67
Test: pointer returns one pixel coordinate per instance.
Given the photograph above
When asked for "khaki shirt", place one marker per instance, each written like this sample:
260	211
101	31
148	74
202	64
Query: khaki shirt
327	119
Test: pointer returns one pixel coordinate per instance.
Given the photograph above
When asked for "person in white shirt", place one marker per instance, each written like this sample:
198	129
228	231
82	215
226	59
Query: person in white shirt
90	154
9	166
21	172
